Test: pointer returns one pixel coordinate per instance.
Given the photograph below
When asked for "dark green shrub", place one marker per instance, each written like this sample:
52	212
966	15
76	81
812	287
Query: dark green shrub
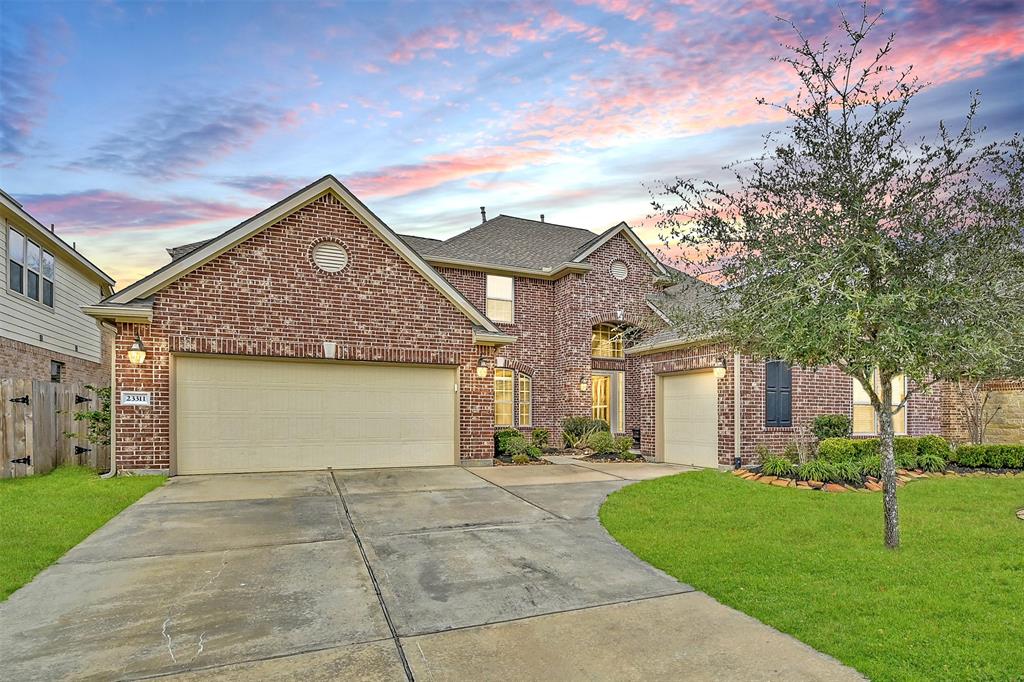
517	446
929	460
520	459
905	451
540	438
533	452
623	445
577	430
932	445
502	438
628	456
774	465
602	443
818	470
871	466
831	426
1013	456
867	447
849	471
838	450
970	455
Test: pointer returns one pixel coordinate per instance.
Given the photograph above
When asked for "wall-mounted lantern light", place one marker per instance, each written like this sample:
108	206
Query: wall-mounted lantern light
481	367
137	353
583	384
719	368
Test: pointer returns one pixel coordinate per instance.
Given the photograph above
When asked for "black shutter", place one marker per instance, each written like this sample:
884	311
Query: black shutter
778	394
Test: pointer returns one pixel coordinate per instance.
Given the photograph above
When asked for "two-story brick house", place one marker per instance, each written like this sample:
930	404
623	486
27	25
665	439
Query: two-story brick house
44	334
312	335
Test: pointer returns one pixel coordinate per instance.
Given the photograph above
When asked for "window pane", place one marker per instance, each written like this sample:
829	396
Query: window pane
499	311
47	265
525	401
606	342
17	278
860	396
33	286
499	287
899	389
17	247
863	419
503	397
32	256
899	422
48	292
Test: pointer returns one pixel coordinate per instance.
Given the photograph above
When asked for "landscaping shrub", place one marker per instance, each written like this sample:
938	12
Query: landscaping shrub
628	456
905	451
540	438
930	460
533	452
838	450
775	465
871	466
970	455
602	443
989	456
867	447
623	445
831	426
1013	456
792	453
517	446
932	445
577	430
503	437
849	471
520	459
817	470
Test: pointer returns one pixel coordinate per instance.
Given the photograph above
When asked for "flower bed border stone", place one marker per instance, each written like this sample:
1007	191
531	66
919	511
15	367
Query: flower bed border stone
871	484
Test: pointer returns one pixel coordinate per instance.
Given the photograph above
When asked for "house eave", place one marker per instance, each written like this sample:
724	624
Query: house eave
496	269
487	339
120	313
672	344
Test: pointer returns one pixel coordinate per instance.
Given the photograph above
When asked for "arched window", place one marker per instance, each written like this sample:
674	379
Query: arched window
606	341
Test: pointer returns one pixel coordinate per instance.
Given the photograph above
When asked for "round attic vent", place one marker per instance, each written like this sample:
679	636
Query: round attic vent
619	270
330	256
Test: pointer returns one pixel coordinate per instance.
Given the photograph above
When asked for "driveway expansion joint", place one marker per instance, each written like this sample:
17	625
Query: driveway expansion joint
516	495
373	579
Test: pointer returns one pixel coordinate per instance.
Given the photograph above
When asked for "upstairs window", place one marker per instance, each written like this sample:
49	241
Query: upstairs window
500	298
606	342
778	394
31	269
865	418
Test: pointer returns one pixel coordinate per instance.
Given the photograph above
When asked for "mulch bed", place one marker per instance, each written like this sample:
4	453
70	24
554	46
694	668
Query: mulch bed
871	484
507	462
611	458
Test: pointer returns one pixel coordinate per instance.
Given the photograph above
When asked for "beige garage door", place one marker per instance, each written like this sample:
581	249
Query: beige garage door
237	415
688	415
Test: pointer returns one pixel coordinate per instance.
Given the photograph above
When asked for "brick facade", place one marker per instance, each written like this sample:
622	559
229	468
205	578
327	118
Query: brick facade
1005	406
265	298
23	361
824	390
553	321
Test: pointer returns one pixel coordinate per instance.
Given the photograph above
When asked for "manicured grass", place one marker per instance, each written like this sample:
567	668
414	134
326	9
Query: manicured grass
949	605
42	517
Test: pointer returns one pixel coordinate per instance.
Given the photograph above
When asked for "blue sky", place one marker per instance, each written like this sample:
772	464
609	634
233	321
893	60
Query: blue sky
134	126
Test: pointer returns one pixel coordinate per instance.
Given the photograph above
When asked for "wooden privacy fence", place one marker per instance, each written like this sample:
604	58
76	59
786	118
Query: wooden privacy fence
34	416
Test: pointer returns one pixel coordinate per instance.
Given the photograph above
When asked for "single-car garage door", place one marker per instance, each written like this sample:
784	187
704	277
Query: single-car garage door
236	415
688	419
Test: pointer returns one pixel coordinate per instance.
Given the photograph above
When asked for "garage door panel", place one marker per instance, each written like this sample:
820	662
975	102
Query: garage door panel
234	414
689	419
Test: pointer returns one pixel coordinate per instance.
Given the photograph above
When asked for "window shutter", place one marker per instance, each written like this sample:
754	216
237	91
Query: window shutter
778	394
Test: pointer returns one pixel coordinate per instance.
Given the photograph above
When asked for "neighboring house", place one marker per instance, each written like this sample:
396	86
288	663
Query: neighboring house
312	335
44	334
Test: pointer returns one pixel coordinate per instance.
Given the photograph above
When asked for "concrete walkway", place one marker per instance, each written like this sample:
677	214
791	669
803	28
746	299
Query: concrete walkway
388	574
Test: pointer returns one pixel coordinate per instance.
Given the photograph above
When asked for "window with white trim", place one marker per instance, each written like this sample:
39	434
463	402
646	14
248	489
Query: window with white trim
525	400
865	417
500	298
31	268
606	342
503	393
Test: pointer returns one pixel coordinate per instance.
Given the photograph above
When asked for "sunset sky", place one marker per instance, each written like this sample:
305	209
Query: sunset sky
134	126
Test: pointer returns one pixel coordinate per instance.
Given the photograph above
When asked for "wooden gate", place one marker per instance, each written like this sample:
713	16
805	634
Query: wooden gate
34	416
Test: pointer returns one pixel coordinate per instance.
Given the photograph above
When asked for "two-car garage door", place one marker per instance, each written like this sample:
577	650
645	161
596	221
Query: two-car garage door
241	415
688	418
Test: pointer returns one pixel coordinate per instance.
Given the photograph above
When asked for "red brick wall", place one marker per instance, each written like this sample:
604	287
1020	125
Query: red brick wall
553	320
23	361
264	297
825	390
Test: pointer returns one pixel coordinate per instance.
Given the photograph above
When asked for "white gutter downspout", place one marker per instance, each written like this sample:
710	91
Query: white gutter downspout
113	403
737	438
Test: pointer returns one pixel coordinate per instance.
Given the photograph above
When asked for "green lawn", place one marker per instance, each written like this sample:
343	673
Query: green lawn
949	605
42	517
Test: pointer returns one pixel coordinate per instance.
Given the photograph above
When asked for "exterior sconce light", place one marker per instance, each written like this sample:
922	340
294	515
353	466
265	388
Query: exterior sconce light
137	353
583	384
481	368
719	368
330	349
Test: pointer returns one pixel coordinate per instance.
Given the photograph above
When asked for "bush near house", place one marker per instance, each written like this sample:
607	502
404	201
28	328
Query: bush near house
576	431
831	426
540	438
989	456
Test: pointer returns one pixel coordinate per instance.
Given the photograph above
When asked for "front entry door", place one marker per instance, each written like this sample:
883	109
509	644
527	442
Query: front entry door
608	389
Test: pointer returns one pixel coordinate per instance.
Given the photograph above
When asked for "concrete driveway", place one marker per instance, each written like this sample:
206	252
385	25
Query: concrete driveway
390	574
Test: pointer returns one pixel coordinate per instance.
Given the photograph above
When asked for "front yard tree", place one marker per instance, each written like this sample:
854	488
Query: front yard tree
846	242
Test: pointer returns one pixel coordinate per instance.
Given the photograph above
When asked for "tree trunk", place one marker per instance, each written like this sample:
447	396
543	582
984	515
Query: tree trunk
886	442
